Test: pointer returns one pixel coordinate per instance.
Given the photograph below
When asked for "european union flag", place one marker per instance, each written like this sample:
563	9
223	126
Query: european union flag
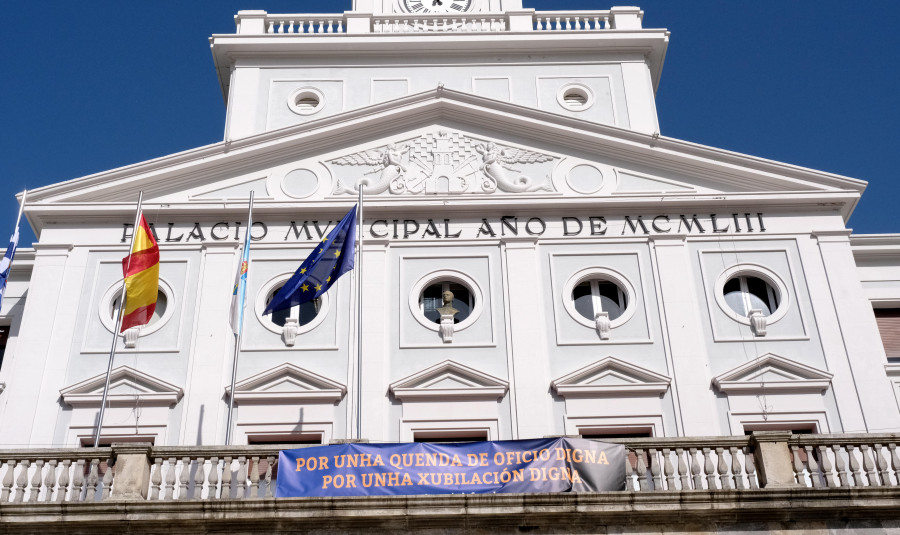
328	261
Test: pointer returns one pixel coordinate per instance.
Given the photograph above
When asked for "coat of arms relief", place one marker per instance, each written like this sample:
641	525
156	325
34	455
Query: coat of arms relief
443	162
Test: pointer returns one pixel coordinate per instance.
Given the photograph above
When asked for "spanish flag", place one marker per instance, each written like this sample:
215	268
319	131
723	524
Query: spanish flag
141	272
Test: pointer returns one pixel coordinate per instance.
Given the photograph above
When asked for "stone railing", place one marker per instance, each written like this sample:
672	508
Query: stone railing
524	20
765	460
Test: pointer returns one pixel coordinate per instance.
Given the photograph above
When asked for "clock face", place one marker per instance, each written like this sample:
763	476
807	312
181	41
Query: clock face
437	6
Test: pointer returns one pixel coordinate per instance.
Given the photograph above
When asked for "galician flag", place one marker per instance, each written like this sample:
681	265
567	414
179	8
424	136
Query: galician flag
328	261
239	293
6	263
141	272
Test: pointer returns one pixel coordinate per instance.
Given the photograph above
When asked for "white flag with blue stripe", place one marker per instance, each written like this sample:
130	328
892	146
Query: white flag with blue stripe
6	263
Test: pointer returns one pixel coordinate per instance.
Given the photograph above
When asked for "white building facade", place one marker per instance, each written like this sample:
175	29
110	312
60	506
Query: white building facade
608	281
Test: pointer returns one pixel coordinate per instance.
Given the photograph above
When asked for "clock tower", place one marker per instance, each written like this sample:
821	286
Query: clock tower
435	6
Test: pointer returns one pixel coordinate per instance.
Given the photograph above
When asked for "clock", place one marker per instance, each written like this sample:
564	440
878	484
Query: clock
437	6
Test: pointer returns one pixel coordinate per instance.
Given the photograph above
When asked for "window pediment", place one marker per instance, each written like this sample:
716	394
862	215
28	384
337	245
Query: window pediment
287	383
772	372
449	379
126	386
610	376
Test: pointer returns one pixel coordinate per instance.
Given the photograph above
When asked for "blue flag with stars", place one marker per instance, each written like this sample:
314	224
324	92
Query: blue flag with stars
329	260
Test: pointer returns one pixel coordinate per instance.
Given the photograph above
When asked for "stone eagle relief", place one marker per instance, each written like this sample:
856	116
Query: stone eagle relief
443	162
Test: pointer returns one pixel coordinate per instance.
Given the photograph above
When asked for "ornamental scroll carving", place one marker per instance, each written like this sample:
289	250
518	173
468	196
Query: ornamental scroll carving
443	162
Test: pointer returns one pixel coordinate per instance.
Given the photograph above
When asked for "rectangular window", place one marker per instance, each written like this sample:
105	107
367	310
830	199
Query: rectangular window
450	436
888	320
4	335
294	440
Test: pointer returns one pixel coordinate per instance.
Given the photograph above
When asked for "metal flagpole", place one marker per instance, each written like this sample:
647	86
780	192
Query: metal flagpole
359	314
242	288
21	209
112	350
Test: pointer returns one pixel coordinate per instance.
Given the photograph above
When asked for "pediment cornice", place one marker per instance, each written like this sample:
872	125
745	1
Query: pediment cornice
610	376
772	373
287	383
449	380
126	386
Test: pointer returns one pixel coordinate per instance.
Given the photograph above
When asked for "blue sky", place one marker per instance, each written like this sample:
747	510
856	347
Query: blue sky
90	86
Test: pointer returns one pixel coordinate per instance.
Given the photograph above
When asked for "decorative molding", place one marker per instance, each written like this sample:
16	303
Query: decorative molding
449	380
138	387
783	375
610	376
287	383
446	162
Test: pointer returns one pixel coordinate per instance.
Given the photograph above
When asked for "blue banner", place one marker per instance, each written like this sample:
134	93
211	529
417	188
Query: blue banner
539	465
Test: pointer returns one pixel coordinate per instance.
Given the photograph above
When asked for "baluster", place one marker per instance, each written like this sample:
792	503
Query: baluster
199	477
722	466
682	469
557	26
62	485
340	26
841	465
226	479
825	465
242	478
641	469
22	481
577	23
93	480
629	471
750	461
270	460
568	24
596	23
271	27
798	466
654	469
254	477
606	23
695	470
280	28
737	473
78	481
321	28
169	488
813	467
156	479
213	479
36	481
709	470
330	27
107	479
668	469
183	478
882	465
290	27
869	466
49	480
854	467
895	461
7	481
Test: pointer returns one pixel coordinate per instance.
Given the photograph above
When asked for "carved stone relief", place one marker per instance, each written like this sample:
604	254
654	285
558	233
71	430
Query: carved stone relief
443	162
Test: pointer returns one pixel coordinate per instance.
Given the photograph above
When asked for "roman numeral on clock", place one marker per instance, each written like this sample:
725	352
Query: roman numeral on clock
416	6
456	7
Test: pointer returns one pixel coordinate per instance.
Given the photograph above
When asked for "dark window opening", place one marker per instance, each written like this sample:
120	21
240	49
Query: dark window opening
888	320
294	440
4	335
447	436
433	299
305	312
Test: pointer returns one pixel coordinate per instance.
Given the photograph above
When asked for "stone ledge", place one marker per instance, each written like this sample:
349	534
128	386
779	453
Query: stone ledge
584	513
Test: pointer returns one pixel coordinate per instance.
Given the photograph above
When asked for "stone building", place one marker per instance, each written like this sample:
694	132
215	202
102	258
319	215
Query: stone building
608	282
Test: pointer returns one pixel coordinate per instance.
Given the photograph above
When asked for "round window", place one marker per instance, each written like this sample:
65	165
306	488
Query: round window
575	97
308	315
446	297
446	292
594	290
306	101
165	307
304	313
746	287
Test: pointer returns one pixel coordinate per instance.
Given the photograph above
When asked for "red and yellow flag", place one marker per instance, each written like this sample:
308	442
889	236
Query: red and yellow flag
141	272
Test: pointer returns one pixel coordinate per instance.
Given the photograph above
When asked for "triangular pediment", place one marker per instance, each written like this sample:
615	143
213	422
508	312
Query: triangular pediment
287	383
771	372
610	376
126	386
442	141
449	380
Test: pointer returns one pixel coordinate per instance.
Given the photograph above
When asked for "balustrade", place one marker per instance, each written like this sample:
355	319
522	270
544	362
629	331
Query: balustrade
57	475
852	460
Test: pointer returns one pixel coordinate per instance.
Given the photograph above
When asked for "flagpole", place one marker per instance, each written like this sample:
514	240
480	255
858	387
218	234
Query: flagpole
116	324
21	209
359	315
242	288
